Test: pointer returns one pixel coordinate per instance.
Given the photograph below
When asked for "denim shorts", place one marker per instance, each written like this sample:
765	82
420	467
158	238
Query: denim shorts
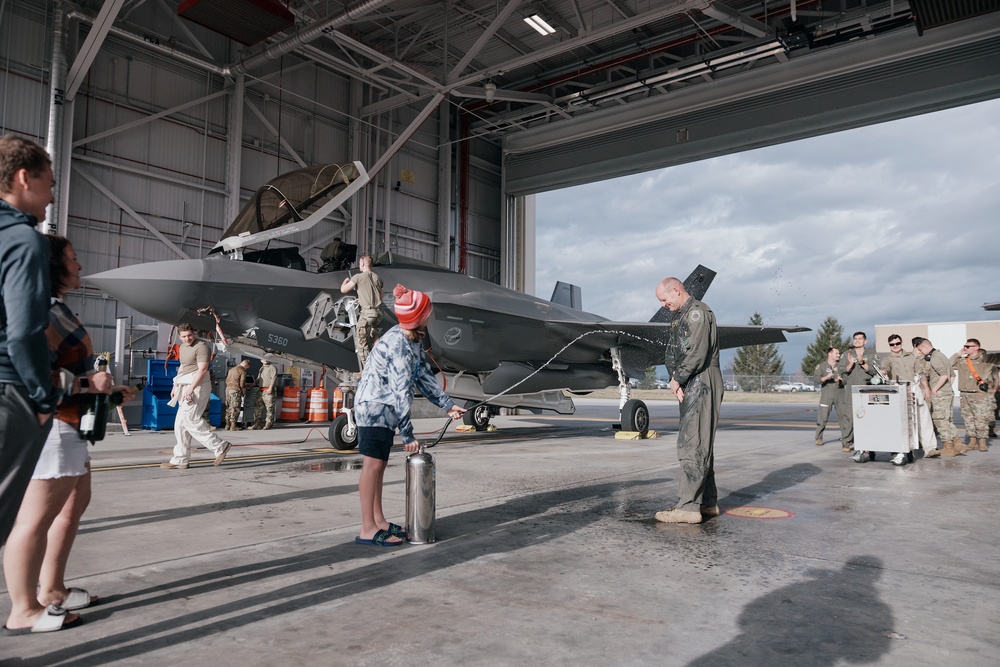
375	441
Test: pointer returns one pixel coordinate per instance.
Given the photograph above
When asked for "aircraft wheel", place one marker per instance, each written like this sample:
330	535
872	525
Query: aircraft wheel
341	436
635	417
478	417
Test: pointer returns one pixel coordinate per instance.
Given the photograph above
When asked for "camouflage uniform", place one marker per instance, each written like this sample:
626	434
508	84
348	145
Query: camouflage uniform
236	382
976	406
264	408
369	288
902	367
942	404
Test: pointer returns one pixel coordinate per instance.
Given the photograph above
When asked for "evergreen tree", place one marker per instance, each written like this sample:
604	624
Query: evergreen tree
756	365
830	334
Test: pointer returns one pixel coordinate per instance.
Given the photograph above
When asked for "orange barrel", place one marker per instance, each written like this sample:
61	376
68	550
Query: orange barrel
289	405
338	402
317	407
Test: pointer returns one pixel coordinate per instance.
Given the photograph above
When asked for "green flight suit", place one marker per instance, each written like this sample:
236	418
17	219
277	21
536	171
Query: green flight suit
692	357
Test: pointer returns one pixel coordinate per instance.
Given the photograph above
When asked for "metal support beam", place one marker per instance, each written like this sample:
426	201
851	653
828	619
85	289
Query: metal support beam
405	135
509	7
128	209
149	119
91	45
444	187
728	15
234	147
57	118
273	130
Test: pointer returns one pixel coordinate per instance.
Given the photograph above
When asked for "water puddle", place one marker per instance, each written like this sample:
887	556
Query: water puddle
335	465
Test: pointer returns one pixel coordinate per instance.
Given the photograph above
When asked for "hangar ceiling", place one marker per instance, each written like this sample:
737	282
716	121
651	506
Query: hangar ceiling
602	88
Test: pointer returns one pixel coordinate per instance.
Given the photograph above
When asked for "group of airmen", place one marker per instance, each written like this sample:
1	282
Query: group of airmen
933	373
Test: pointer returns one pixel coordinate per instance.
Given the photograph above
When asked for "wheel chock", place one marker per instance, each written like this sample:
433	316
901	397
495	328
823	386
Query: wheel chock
636	435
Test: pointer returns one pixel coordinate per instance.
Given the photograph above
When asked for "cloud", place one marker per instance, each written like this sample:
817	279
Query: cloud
891	223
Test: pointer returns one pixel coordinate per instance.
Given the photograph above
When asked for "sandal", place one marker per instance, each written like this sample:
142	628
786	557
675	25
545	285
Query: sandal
379	539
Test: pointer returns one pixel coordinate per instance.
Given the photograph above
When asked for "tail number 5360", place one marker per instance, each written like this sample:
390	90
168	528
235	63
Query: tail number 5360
277	340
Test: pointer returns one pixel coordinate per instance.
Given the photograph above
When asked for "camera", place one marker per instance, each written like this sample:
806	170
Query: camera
983	386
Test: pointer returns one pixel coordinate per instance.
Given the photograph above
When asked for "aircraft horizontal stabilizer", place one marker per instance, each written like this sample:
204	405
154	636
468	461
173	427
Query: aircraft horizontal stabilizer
735	336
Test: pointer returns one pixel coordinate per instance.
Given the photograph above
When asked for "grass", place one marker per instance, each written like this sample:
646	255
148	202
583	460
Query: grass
729	397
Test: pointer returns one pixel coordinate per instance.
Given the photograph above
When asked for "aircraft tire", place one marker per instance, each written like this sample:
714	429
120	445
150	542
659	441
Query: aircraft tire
340	438
635	417
478	417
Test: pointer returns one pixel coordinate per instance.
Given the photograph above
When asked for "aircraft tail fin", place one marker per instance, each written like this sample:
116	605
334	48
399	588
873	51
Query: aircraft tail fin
696	284
568	295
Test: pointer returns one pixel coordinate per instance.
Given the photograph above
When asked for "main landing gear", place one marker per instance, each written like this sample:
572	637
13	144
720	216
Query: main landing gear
634	413
478	417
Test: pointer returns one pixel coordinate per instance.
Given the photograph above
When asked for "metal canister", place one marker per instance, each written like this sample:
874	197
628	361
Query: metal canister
420	497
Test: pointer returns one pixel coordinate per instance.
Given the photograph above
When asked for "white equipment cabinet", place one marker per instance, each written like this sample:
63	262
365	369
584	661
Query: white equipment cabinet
885	418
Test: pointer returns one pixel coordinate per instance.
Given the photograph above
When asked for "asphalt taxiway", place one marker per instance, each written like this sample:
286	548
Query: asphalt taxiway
547	553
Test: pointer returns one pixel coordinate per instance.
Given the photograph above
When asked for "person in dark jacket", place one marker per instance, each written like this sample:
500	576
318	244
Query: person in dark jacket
27	396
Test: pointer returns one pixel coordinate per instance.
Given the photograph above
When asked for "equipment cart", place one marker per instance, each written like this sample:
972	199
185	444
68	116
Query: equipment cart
885	420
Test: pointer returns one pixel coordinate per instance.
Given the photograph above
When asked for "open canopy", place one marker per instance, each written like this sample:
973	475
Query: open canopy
293	202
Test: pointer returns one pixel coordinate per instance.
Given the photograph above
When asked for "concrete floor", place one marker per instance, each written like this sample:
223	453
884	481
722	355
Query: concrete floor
546	554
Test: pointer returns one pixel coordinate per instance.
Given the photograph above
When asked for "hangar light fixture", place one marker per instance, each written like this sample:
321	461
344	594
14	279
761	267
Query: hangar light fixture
539	24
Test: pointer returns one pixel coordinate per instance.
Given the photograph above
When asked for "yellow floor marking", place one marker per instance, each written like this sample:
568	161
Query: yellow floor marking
750	512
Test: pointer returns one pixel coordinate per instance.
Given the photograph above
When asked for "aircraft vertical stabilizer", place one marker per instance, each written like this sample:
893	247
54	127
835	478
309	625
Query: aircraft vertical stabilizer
696	284
567	295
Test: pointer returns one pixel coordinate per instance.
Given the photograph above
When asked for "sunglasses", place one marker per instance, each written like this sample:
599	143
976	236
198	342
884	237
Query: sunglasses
896	344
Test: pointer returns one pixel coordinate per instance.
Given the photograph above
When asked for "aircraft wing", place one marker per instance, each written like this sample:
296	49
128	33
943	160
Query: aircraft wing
609	334
642	344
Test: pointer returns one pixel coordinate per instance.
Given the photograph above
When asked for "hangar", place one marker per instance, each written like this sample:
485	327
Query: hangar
163	116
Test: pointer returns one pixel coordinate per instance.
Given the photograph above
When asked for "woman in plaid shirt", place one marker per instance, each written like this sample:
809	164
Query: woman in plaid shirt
38	548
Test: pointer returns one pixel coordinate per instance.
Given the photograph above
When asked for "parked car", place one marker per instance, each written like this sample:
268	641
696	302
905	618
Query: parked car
805	386
785	386
731	386
663	384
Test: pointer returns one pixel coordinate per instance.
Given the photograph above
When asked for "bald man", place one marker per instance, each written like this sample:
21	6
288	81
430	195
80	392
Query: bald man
692	357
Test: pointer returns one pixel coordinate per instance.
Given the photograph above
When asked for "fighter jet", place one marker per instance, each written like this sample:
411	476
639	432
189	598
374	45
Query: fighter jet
494	347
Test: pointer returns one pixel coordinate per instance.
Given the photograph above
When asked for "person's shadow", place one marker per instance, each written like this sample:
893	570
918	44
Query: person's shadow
833	616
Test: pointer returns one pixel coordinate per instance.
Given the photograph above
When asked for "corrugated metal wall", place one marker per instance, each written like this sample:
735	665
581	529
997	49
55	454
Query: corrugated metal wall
172	171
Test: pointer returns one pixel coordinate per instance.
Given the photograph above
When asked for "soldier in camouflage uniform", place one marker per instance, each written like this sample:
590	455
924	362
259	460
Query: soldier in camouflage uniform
236	389
935	381
263	410
692	357
975	368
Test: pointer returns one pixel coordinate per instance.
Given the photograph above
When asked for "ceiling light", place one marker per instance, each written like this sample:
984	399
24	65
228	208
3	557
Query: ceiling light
489	91
539	24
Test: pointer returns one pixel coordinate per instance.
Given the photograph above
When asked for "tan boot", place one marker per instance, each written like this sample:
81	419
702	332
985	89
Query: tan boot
960	448
931	453
948	449
983	446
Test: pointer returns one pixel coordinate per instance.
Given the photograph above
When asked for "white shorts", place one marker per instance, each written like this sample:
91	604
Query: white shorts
64	454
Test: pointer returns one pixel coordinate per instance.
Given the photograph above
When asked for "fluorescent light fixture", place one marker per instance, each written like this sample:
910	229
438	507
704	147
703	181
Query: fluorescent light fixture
539	24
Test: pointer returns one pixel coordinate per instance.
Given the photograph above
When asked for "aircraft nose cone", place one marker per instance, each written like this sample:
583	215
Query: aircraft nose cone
162	290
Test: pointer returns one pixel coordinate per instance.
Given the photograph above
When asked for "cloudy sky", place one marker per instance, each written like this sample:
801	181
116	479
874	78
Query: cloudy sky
887	224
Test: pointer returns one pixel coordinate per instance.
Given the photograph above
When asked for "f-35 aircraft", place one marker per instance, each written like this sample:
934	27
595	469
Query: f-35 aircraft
494	346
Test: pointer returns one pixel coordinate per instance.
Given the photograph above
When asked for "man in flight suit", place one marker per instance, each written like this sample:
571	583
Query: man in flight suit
692	357
856	368
831	391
